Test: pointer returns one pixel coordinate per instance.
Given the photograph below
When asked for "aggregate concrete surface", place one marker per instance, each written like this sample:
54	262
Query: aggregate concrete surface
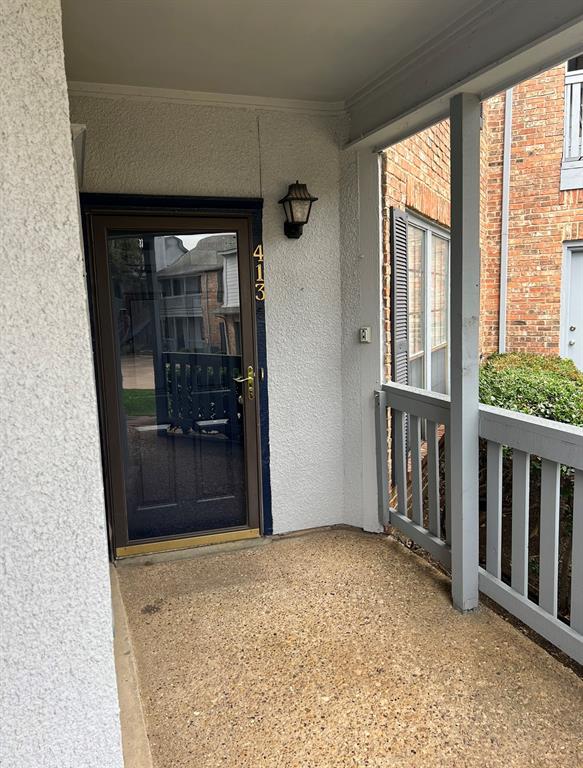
338	648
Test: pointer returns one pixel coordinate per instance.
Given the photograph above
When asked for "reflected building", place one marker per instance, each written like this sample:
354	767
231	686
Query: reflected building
177	311
199	287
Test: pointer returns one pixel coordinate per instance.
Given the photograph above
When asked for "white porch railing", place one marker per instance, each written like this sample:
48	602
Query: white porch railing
424	527
572	165
573	129
420	501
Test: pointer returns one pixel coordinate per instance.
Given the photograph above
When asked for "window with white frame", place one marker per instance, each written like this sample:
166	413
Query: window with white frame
428	305
572	165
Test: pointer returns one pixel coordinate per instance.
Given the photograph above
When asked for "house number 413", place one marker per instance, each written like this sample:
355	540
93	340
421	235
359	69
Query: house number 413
259	274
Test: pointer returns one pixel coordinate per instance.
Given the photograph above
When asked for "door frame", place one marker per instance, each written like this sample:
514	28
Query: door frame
248	214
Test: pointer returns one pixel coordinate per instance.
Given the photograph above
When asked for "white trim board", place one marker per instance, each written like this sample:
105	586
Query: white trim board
369	356
78	131
463	26
202	98
413	98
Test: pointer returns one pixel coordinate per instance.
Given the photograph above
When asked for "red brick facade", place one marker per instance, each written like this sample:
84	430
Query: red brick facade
415	176
541	217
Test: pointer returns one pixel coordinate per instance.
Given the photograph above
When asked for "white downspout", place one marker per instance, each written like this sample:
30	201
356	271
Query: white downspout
506	152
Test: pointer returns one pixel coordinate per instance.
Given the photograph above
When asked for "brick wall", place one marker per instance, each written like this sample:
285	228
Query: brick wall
416	175
541	217
491	148
211	307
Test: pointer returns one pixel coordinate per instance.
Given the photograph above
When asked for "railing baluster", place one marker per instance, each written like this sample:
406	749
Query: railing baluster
175	401
575	134
382	456
577	556
433	478
447	486
556	444
416	477
566	123
520	509
400	462
580	119
494	510
549	536
183	394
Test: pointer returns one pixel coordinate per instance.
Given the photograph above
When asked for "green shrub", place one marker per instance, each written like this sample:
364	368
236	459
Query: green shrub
541	385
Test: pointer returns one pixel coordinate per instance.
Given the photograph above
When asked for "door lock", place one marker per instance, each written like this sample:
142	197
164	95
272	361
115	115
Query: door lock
250	380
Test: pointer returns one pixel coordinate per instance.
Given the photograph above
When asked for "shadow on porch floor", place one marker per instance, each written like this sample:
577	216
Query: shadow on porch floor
337	648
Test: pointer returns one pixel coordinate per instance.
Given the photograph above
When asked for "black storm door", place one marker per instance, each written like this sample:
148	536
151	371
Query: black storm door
173	315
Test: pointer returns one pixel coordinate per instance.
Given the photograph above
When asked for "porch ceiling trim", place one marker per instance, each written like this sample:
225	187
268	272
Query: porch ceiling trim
203	98
432	47
494	55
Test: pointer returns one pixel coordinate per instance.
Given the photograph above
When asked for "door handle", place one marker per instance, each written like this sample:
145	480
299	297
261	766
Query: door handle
250	380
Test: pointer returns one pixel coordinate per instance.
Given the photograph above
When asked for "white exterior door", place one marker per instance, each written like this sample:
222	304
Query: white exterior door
574	318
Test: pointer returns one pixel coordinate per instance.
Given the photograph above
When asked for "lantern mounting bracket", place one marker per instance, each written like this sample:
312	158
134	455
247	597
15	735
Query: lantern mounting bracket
292	229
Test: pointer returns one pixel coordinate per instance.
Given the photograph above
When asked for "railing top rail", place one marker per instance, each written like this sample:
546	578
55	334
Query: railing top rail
202	358
548	439
541	437
418	402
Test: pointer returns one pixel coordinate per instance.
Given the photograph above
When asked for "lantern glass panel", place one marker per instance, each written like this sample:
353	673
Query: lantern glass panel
300	210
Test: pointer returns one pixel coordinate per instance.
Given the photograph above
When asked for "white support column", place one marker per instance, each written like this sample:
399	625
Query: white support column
465	351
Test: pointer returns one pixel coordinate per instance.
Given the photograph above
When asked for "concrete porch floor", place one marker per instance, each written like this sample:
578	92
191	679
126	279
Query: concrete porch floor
337	648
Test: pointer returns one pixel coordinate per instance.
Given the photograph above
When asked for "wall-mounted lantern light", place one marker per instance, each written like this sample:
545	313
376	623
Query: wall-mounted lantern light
297	205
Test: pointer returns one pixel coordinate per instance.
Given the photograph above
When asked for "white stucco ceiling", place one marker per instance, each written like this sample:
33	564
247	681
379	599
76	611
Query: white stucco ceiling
293	49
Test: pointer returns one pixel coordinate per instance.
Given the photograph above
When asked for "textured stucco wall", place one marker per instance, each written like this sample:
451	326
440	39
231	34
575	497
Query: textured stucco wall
59	700
161	147
351	264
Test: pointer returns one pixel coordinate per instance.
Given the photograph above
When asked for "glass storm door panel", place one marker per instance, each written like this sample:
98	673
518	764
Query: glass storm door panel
182	335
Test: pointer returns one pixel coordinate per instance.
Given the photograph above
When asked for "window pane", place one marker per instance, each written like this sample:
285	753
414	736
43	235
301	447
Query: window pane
439	290
416	284
192	284
575	64
223	333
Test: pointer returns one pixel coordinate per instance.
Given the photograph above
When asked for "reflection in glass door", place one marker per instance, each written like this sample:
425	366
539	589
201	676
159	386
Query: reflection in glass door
183	347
